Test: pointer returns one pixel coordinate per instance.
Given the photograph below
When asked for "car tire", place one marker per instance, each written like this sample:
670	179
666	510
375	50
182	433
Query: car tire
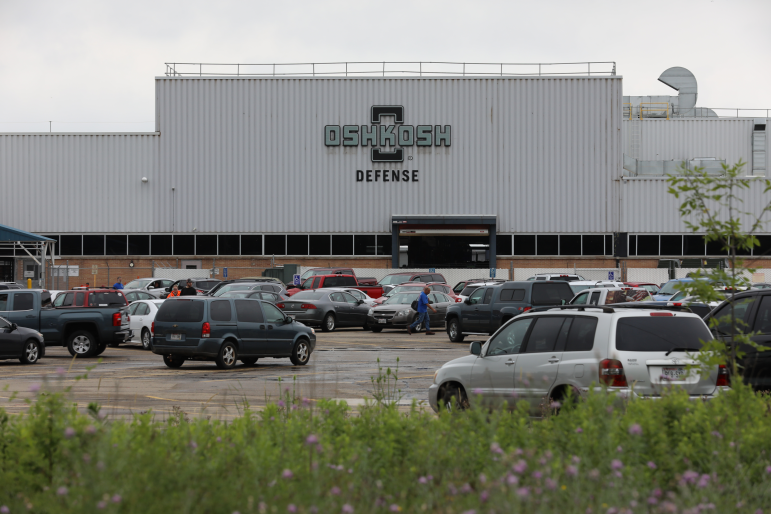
249	361
228	356
31	352
301	353
328	323
82	343
173	361
453	398
376	330
147	340
453	331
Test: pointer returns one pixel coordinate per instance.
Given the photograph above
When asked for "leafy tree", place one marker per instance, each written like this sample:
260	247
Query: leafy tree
714	206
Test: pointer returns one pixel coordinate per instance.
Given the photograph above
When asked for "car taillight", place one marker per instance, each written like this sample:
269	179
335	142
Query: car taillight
612	373
199	291
458	300
116	319
676	304
526	309
280	305
307	306
723	378
152	327
206	330
662	313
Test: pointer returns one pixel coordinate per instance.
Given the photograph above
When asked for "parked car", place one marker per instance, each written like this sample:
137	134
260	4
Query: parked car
460	286
132	295
326	308
649	286
394	279
252	286
268	280
337	281
489	307
753	314
364	281
9	285
397	311
473	286
761	285
257	295
154	286
227	330
566	277
201	285
607	295
21	343
85	331
539	357
581	285
359	295
438	287
141	317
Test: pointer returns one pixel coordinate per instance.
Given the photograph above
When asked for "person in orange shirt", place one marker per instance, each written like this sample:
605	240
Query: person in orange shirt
174	291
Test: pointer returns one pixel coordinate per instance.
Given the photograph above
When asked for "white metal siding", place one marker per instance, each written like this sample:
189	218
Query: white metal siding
248	155
78	183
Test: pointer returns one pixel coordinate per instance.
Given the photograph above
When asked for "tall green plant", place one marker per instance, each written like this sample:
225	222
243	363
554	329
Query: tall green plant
713	205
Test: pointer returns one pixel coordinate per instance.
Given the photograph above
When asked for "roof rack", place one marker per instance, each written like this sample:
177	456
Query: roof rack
605	308
643	305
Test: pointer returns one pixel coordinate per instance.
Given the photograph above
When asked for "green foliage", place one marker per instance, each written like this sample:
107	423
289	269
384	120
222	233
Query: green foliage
304	456
713	205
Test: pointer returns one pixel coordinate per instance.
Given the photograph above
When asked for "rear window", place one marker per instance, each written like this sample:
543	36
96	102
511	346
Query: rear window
660	333
106	299
551	294
180	311
206	284
23	302
394	280
512	295
307	295
564	278
339	281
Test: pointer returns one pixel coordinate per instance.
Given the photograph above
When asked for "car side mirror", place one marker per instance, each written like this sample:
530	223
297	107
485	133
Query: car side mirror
14	326
360	302
475	348
168	289
467	301
150	287
288	320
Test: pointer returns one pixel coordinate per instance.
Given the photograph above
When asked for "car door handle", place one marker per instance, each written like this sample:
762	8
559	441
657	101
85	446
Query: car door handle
553	360
262	327
30	316
510	362
270	327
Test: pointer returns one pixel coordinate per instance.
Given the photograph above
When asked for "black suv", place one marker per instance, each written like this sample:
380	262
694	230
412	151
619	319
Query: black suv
490	306
226	330
753	313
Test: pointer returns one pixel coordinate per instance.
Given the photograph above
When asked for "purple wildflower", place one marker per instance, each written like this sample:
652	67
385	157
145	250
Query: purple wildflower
61	371
311	439
394	508
571	471
335	491
429	477
291	508
651	464
635	429
347	509
287	474
652	501
768	469
466	488
86	457
717	434
526	381
618	474
422	480
703	481
62	491
482	478
484	496
619	449
281	404
69	432
34	388
91	429
4	510
477	391
520	467
551	484
594	474
689	477
579	430
193	445
523	492
101	505
295	407
576	459
496	448
219	439
116	498
556	405
537	475
616	464
306	402
512	480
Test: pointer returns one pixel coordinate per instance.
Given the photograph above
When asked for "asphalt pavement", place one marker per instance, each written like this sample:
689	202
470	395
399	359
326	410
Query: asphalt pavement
127	379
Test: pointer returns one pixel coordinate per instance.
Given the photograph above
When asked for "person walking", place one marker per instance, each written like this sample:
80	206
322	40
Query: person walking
423	306
174	291
189	290
118	284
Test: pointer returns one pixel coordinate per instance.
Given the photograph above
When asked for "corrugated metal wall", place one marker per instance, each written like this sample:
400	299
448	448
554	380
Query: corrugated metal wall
248	155
79	183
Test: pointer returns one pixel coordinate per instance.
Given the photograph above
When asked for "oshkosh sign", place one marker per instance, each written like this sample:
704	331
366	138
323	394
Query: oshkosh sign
387	141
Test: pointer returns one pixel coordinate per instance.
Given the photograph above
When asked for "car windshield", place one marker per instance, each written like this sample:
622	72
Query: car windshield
314	272
403	298
137	284
469	289
671	287
660	333
307	295
578	288
678	296
404	289
233	287
391	280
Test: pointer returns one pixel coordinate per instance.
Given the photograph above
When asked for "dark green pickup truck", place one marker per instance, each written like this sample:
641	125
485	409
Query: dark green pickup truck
85	332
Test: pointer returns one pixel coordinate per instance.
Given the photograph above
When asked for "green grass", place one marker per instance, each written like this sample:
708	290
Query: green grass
603	456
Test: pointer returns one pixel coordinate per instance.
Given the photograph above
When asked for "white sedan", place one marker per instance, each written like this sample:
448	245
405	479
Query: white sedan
142	314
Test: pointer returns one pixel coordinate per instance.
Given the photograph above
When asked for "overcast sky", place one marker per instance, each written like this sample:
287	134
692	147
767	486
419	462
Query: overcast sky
80	62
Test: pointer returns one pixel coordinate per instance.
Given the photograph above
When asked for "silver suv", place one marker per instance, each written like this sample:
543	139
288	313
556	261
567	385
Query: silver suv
539	357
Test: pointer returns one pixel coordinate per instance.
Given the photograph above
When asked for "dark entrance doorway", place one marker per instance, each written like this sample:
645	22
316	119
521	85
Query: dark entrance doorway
447	251
6	270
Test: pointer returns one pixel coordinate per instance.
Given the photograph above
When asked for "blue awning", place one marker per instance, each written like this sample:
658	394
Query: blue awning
9	234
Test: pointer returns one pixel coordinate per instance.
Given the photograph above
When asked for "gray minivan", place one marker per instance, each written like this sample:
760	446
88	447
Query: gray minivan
226	330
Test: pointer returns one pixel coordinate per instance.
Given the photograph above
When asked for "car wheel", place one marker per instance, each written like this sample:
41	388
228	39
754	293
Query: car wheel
228	356
82	343
31	352
376	329
419	326
328	325
453	331
249	361
453	398
173	361
147	341
301	353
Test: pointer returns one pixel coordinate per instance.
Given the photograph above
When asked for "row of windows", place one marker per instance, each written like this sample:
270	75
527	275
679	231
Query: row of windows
687	245
552	244
223	244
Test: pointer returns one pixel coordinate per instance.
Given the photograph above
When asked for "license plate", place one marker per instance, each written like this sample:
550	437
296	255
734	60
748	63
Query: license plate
381	321
674	373
175	337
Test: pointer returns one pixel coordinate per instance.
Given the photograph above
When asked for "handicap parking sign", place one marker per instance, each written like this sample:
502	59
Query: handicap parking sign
296	280
611	275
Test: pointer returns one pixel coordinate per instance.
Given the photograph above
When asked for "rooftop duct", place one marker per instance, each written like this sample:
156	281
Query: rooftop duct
681	106
683	81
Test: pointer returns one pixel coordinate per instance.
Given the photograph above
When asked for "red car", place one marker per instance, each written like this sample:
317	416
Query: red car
368	281
648	286
321	281
418	286
394	279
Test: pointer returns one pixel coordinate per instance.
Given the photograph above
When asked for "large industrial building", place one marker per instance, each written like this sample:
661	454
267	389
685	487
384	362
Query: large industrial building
445	170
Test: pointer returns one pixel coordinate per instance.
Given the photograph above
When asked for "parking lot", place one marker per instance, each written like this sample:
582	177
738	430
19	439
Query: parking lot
129	380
